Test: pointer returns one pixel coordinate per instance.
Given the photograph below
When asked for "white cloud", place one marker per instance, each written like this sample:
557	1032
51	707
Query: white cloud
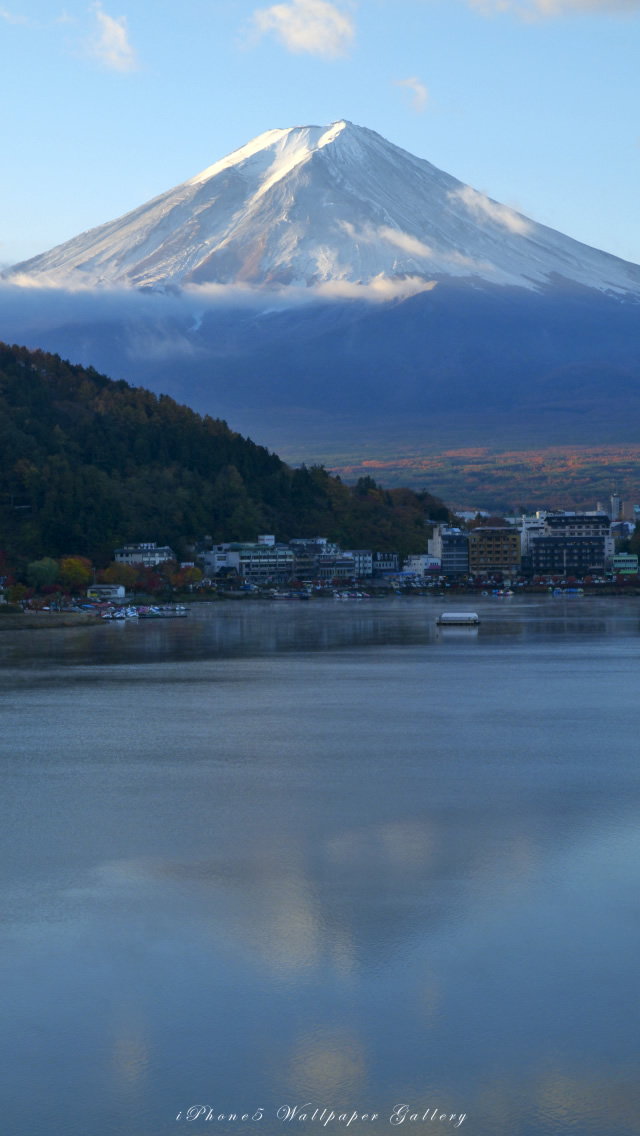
404	241
418	90
379	289
111	44
316	27
535	9
371	234
482	208
27	305
25	21
13	18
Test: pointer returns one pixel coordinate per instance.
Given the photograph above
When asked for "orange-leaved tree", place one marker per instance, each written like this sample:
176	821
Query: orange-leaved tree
75	572
124	574
185	577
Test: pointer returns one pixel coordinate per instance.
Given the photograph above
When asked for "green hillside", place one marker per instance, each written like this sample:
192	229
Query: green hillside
87	463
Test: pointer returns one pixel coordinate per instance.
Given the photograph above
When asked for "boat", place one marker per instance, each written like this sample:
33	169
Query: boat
458	619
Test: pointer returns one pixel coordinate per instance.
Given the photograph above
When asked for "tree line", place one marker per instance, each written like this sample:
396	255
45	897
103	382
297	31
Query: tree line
88	464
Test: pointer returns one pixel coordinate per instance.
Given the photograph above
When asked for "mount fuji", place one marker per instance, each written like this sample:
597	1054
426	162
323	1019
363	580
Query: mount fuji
324	205
343	300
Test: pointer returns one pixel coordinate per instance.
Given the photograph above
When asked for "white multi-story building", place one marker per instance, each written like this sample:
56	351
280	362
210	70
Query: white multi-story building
259	561
149	555
422	564
530	527
363	562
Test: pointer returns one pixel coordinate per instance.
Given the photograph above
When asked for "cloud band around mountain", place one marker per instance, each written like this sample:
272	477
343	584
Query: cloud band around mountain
483	209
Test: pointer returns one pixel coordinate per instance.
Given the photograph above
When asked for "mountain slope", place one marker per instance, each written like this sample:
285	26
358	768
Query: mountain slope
87	464
332	205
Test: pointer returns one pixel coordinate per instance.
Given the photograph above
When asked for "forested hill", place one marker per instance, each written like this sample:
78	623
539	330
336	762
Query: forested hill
87	463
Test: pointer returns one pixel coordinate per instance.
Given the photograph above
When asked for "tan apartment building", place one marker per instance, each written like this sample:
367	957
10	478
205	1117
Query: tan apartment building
494	550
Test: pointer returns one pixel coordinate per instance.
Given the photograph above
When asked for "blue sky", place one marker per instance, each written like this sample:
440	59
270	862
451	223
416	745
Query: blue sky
105	105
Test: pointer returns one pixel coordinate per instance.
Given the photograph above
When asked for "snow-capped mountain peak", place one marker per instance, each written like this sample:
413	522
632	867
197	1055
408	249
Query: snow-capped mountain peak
277	151
322	205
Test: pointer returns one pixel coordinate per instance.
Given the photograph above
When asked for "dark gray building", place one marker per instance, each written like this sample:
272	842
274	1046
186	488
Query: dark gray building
567	555
451	547
577	524
384	562
574	544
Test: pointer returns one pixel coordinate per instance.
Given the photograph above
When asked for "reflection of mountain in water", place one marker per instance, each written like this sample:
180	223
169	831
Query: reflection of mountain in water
397	869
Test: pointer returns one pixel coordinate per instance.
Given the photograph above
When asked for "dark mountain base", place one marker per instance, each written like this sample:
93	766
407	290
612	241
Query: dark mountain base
459	367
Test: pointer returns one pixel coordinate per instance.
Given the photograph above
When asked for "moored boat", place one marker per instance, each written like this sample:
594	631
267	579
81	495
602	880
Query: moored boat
458	619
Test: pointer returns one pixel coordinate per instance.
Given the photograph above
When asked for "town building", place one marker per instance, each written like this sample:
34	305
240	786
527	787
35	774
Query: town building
106	592
530	527
422	564
148	555
614	508
451	547
383	562
318	545
494	549
620	530
571	543
568	556
569	523
363	560
257	561
306	565
336	566
625	564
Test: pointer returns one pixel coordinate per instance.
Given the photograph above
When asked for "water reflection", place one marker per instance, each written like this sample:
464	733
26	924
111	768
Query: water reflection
325	1065
251	628
263	857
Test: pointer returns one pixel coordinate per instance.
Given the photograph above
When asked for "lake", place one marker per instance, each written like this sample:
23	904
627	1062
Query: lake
324	857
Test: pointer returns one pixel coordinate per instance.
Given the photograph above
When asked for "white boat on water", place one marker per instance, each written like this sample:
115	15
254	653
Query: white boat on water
458	619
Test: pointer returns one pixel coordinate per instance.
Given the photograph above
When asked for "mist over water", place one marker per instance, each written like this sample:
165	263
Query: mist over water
272	855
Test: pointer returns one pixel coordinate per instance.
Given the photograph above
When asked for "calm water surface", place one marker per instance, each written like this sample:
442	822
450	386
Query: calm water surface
323	855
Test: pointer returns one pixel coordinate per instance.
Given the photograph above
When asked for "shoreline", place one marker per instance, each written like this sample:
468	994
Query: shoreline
52	620
45	620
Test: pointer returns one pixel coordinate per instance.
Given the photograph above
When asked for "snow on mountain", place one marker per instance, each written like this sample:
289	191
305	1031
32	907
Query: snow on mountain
324	205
